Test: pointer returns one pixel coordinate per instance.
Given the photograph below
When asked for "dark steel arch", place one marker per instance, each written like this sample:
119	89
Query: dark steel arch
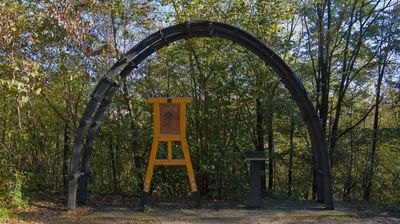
105	89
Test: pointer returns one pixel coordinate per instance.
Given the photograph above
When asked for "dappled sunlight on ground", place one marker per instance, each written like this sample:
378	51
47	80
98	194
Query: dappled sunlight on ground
115	209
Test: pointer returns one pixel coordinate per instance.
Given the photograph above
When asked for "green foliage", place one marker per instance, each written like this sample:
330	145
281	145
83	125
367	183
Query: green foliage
50	62
11	190
4	214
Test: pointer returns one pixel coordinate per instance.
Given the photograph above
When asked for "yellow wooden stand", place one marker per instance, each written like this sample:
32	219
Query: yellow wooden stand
169	126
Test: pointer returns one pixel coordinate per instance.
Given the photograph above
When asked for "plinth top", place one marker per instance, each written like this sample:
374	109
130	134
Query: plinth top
169	100
255	155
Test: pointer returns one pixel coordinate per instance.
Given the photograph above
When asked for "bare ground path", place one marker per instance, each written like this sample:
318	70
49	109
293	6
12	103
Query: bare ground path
110	209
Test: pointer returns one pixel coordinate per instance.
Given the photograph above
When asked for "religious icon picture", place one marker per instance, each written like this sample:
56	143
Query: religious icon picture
169	119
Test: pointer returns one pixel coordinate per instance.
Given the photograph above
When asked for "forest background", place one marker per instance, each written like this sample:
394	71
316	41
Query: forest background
346	53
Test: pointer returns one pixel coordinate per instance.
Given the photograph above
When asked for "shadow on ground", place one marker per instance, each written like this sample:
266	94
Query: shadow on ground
110	209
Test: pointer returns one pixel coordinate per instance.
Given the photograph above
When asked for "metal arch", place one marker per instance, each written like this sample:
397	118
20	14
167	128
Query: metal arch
104	91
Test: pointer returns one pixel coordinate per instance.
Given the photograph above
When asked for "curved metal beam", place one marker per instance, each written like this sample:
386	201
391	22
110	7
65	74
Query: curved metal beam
124	66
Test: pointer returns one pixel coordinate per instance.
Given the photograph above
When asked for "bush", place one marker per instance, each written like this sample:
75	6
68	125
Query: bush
3	213
11	190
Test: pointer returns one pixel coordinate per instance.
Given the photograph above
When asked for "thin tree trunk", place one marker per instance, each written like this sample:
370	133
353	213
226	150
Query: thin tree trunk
372	158
271	151
347	185
314	180
322	64
204	88
4	115
342	90
134	144
65	157
113	169
202	176
291	151
349	179
206	129
260	143
57	166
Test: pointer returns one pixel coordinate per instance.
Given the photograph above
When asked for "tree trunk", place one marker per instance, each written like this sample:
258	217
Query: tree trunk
134	144
347	185
57	166
314	180
372	158
291	151
260	143
204	136
342	90
4	116
113	168
323	71
348	179
65	157
202	176
271	151
323	77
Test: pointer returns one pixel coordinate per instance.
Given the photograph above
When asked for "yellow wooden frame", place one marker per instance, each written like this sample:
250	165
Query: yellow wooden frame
169	138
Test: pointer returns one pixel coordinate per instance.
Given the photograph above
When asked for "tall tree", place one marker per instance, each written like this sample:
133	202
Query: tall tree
385	35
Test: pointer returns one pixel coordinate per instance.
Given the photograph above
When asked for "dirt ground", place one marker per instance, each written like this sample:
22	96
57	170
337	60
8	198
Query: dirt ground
109	209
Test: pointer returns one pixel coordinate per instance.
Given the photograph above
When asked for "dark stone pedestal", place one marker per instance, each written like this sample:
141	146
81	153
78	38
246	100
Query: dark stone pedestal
256	159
